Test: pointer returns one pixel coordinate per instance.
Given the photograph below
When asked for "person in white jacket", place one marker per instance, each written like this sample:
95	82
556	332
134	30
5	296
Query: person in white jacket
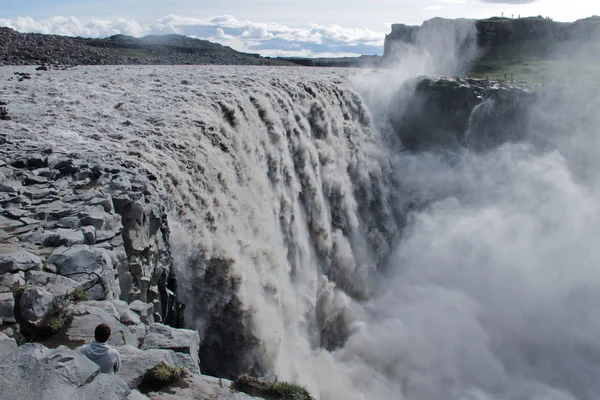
106	357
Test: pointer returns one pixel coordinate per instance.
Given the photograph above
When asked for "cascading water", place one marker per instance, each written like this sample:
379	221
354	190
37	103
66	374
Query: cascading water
310	244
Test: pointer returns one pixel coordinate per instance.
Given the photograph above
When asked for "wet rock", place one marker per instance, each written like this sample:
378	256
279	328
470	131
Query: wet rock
35	303
179	340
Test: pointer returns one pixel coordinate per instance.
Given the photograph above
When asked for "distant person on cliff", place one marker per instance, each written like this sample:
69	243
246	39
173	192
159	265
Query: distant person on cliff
106	357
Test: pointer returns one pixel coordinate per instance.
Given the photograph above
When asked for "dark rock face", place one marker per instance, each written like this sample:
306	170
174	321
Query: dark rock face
497	31
33	49
450	113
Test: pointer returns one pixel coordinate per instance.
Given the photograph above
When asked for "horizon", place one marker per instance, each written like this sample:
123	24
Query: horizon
288	31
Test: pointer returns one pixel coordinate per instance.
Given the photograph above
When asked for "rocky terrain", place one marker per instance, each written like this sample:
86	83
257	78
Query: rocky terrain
34	49
84	240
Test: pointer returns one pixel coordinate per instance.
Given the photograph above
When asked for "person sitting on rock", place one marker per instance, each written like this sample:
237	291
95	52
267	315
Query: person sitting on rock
106	357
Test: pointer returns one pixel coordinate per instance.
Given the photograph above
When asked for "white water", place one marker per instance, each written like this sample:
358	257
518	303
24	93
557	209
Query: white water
491	293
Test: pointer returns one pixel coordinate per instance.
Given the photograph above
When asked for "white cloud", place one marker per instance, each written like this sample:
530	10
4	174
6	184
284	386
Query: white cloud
267	38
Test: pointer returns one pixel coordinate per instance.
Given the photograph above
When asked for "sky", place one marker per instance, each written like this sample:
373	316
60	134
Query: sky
317	28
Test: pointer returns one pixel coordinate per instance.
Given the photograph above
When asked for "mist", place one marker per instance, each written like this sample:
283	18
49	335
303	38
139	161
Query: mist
491	291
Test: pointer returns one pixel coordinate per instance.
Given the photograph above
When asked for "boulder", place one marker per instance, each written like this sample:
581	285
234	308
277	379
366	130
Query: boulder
35	304
179	340
136	363
7	345
81	329
35	372
144	310
9	282
55	284
70	237
126	316
15	258
88	265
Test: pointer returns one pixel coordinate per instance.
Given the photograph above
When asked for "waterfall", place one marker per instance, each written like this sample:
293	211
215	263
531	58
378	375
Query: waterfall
310	243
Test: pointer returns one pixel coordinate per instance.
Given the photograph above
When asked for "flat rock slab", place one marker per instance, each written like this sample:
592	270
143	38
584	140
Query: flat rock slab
15	258
137	363
180	340
203	387
81	329
36	372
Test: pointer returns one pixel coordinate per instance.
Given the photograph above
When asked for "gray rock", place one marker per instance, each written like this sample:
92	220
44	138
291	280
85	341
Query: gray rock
9	223
136	395
126	316
120	184
15	258
10	186
55	284
35	180
70	237
89	265
71	222
104	178
203	387
46	239
137	363
7	345
186	361
180	340
34	372
35	304
9	282
53	211
89	235
144	310
15	213
35	193
93	307
81	329
7	308
94	216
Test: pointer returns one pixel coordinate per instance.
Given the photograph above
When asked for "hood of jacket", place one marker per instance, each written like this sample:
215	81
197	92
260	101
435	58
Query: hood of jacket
96	350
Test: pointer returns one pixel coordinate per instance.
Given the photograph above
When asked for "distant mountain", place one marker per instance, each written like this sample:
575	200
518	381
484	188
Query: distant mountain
34	48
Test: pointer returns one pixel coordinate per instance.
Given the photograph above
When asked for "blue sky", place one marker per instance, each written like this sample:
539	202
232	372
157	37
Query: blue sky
270	27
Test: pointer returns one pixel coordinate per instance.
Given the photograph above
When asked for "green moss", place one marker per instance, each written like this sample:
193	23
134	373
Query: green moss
271	391
166	373
80	295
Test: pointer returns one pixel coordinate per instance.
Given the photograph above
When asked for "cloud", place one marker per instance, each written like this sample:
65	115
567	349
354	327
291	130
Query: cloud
266	38
508	1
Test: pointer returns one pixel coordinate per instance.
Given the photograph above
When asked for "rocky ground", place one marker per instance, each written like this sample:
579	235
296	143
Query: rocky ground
34	49
83	241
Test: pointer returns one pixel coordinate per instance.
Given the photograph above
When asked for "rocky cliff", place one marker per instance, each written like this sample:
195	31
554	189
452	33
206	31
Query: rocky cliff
497	31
